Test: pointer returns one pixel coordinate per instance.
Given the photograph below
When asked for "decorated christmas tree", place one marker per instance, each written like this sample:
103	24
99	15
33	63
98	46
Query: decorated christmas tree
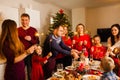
60	19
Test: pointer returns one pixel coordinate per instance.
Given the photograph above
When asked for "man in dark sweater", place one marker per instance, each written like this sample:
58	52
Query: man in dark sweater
54	44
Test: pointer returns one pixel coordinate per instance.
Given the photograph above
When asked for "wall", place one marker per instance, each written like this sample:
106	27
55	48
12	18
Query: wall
96	17
6	12
78	16
102	17
46	10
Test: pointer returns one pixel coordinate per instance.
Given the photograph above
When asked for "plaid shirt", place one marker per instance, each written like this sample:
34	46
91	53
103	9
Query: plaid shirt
109	76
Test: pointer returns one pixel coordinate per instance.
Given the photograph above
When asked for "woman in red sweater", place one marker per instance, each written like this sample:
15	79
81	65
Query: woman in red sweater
82	41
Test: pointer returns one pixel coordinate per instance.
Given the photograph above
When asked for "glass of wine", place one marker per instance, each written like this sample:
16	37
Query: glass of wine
59	67
91	58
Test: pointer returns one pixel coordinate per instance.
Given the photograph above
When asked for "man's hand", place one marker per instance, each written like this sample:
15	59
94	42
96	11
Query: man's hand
31	49
28	38
75	53
74	50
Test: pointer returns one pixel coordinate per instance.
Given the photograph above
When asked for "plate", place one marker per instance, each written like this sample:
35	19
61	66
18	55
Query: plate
91	77
69	68
53	78
60	74
57	74
95	72
95	67
96	63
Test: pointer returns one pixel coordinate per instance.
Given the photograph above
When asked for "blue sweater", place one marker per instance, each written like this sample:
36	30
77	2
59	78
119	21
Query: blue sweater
109	76
55	45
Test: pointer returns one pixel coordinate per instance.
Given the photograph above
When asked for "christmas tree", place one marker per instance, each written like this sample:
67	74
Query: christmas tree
61	19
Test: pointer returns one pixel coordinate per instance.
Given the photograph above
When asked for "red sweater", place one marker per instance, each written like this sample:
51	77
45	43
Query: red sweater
98	52
79	39
67	41
37	71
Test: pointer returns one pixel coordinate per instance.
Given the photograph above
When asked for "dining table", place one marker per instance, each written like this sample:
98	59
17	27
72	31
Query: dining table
79	70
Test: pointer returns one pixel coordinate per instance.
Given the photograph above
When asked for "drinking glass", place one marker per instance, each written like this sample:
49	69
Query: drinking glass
75	63
91	58
59	67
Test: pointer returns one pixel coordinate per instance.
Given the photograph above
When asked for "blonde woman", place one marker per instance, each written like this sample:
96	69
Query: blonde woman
81	41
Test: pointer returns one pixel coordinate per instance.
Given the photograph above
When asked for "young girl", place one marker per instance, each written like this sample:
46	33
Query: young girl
37	62
97	51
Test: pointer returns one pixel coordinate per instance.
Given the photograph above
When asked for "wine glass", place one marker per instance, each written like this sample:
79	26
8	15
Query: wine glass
91	58
59	67
75	63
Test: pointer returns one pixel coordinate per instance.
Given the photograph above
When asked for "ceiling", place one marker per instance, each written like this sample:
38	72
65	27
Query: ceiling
71	4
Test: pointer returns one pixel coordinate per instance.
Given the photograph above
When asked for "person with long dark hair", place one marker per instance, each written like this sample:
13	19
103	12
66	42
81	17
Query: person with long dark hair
12	49
115	35
112	41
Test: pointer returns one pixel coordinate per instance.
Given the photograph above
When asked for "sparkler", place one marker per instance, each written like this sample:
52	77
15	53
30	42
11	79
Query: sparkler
39	35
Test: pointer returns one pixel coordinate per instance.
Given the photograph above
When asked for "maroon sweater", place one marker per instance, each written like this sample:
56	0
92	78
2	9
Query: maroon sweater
29	32
13	71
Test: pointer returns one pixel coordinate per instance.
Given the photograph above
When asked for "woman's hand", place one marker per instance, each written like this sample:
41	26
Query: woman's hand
73	42
31	49
38	50
80	43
